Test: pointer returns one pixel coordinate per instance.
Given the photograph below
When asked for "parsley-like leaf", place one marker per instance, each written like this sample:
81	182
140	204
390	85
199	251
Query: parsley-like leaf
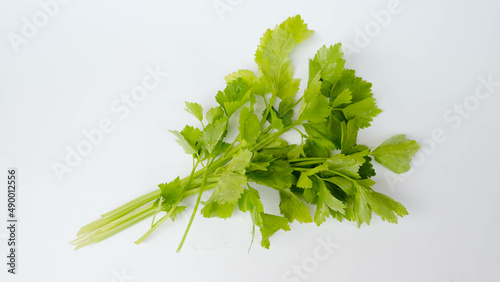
347	165
396	153
330	62
256	85
171	192
195	109
292	208
325	202
270	225
314	106
214	114
249	127
213	133
345	97
188	139
236	94
272	55
278	175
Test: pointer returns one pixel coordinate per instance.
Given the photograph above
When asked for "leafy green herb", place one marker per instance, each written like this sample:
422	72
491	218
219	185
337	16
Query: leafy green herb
328	170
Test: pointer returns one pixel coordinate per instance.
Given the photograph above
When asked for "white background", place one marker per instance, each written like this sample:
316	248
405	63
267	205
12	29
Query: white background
428	57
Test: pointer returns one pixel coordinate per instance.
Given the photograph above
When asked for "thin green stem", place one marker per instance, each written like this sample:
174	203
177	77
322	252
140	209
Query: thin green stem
268	109
292	107
232	144
195	208
302	135
116	229
270	138
113	224
302	164
300	169
141	200
306	159
158	223
154	225
193	170
131	206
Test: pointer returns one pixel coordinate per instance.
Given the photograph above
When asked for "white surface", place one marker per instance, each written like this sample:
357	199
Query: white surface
428	57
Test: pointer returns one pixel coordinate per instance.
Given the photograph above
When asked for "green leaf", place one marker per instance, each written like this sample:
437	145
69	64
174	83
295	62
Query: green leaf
215	114
317	148
385	207
362	212
345	97
178	210
347	165
240	160
235	95
215	209
315	69
276	122
270	225
297	28
272	55
227	192
249	127
321	134
278	175
311	195
250	202
260	161
345	184
171	192
314	106
396	153
285	111
362	104
296	152
247	76
220	148
195	109
291	207
255	84
325	202
349	135
335	129
188	139
229	188
364	110
366	170
304	180
213	133
331	63
360	89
